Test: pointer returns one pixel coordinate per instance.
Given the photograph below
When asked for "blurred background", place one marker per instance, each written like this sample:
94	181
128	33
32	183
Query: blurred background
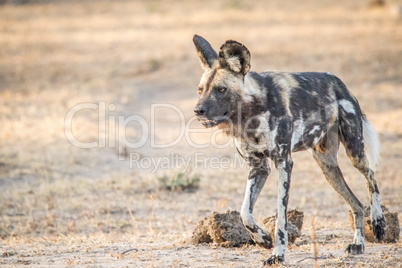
57	54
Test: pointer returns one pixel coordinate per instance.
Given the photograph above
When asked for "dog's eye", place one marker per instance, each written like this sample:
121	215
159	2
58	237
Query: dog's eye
199	90
221	89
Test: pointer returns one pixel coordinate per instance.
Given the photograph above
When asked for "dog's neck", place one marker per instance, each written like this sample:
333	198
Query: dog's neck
252	103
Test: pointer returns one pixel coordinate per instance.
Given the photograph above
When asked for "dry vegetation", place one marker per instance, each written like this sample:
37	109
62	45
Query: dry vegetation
65	206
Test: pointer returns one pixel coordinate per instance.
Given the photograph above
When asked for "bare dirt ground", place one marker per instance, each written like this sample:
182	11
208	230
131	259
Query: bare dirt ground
61	205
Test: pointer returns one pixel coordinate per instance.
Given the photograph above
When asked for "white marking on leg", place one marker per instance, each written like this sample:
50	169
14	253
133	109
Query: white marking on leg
376	211
359	237
258	237
246	215
280	248
347	106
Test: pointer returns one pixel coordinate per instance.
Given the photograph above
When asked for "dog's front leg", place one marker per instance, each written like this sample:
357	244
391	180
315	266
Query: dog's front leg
256	180
281	233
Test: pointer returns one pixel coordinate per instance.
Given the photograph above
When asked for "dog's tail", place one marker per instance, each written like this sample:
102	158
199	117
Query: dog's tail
371	144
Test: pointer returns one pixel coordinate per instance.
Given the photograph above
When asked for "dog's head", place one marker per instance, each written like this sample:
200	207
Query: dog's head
221	85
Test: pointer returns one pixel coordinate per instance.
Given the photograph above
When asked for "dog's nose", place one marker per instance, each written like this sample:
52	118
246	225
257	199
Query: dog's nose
199	110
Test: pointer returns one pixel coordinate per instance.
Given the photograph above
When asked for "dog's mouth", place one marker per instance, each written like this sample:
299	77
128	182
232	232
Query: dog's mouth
213	122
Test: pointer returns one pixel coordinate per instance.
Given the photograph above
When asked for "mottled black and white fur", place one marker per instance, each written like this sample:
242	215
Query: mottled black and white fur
273	114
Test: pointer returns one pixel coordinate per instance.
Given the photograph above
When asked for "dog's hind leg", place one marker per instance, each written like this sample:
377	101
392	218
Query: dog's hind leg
325	155
256	180
362	147
377	216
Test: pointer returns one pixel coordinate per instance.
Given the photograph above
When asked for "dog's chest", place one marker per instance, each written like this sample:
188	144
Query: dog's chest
279	137
266	140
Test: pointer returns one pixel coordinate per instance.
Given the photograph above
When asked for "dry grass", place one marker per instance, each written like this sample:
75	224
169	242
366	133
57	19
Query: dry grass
65	206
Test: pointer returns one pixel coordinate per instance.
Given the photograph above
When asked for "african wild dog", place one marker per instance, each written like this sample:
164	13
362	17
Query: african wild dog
272	114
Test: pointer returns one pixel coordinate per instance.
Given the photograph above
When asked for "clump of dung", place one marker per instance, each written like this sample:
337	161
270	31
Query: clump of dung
295	224
391	219
225	229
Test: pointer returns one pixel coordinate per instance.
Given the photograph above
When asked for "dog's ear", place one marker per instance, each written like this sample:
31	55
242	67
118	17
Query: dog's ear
206	53
235	56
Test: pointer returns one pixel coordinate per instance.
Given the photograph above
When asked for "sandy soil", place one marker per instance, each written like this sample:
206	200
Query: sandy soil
61	205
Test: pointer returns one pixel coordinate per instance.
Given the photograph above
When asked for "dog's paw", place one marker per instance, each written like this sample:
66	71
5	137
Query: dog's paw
355	249
379	226
274	260
263	240
260	236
